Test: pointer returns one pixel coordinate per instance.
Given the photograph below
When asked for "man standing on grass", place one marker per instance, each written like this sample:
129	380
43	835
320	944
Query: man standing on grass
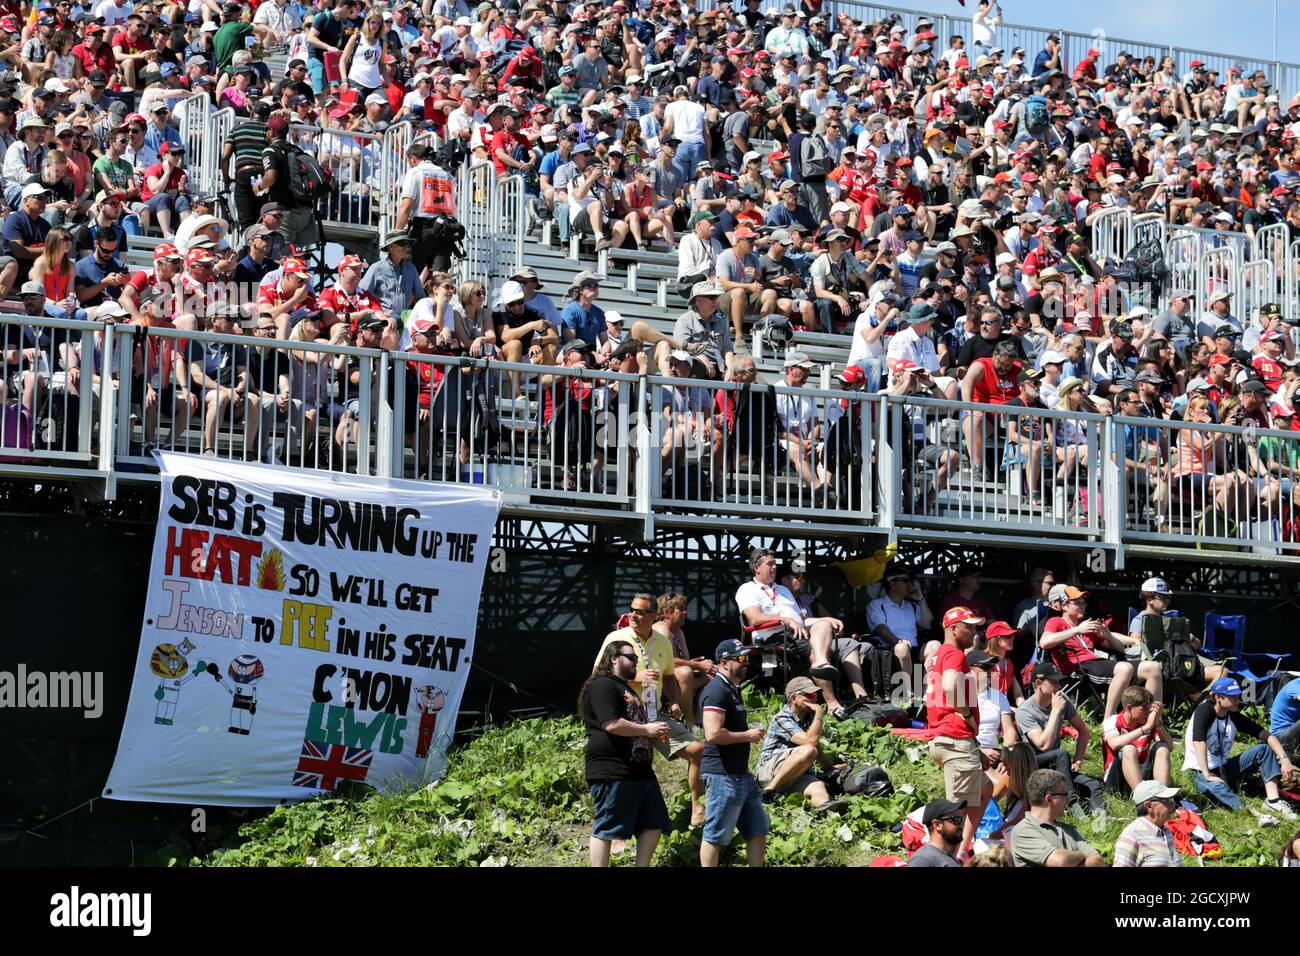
953	714
654	656
626	795
732	797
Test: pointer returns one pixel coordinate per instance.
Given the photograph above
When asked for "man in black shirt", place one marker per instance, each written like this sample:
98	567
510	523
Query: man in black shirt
981	346
733	798
1214	726
298	225
626	795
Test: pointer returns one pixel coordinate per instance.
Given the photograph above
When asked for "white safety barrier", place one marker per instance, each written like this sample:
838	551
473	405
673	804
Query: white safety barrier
478	209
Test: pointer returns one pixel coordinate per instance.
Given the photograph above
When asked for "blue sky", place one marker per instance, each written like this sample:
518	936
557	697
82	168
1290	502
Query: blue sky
1240	27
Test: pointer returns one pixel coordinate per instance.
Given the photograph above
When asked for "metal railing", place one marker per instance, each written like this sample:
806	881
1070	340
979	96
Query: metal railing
996	465
478	209
1210	486
727	448
525	429
47	393
392	167
689	452
245	398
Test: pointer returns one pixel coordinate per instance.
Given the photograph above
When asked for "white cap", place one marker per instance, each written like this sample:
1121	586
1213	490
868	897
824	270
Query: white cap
209	27
1052	357
612	316
1153	790
376	99
56	85
34	189
511	292
464	22
1139	312
1155	586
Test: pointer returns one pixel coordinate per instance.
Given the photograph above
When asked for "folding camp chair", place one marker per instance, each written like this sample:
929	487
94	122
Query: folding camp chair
1232	628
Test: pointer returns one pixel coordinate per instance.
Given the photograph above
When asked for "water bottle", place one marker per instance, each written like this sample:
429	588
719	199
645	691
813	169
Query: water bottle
651	697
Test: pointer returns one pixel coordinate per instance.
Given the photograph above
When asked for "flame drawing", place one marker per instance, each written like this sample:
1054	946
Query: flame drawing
270	572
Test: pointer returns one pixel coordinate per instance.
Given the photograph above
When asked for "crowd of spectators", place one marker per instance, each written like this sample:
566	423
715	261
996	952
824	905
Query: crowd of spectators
996	741
930	202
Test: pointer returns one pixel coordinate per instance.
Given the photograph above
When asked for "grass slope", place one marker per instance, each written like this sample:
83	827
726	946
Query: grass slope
516	796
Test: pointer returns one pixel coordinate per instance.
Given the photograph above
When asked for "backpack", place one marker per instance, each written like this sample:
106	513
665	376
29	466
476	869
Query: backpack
867	782
1037	115
443	231
1179	662
877	670
774	333
881	714
451	155
308	179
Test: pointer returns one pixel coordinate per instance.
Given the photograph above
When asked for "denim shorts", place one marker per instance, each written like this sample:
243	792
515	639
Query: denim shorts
625	808
732	800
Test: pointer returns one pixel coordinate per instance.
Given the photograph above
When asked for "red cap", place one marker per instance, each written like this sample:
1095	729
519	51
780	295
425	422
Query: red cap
423	324
351	262
277	123
1002	177
1195	63
1029	177
1280	411
999	629
197	256
166	251
293	266
1002	124
777	155
744	232
961	615
1203	167
903	161
1219	360
905	365
1093	53
852	374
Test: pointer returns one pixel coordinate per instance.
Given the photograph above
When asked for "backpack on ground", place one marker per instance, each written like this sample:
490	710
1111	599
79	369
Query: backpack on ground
881	714
308	179
774	334
1037	116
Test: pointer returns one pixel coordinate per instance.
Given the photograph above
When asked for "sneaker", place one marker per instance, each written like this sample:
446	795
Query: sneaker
602	243
1281	808
832	806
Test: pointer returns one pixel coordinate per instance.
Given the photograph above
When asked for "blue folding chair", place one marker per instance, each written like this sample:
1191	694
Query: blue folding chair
1232	627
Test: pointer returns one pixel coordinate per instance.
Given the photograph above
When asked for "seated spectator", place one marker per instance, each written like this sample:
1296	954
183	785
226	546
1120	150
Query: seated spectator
920	455
802	430
702	332
943	820
1147	841
847	650
1284	718
779	275
1157	599
1072	643
839	282
688	422
746	423
793	747
899	616
1041	717
1218	773
692	674
1040	839
697	253
1033	612
997	720
569	419
966	594
763	599
1135	744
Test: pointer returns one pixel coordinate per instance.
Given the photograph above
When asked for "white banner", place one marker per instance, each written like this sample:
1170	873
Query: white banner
301	629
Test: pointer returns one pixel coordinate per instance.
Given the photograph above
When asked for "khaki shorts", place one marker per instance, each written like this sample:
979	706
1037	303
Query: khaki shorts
753	301
679	738
963	774
768	769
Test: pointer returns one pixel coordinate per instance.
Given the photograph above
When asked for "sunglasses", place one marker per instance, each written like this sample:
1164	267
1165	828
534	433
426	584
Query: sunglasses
630	657
639	611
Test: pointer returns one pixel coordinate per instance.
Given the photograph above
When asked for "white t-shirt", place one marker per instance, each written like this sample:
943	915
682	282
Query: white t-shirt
862	349
918	349
688	120
993	704
776	600
114	13
798	414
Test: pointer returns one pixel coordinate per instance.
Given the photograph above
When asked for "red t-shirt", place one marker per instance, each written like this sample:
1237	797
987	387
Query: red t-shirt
1075	651
944	720
339	301
1269	370
128	46
1117	724
101	59
272	295
505	142
173	181
994	389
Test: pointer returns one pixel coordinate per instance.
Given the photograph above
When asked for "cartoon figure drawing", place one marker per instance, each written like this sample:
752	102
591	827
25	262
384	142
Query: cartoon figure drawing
244	672
168	662
430	701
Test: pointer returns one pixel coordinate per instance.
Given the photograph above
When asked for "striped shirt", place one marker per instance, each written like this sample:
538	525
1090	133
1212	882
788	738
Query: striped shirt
248	138
1144	843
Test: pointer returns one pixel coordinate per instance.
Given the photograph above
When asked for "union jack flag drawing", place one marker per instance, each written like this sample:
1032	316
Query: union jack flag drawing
320	765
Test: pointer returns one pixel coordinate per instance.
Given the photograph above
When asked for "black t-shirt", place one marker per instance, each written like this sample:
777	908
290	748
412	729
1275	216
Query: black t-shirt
62	190
769	270
275	157
721	694
609	756
978	347
329	30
